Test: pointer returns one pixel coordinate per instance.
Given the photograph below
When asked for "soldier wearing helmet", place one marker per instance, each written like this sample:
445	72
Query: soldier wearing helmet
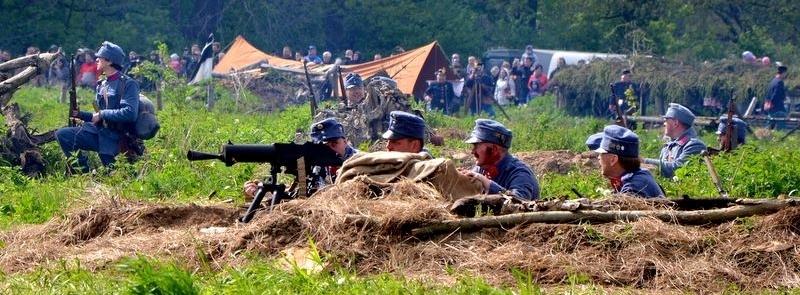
117	99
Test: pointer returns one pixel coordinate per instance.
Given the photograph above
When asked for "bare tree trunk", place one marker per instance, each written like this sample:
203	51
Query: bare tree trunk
21	146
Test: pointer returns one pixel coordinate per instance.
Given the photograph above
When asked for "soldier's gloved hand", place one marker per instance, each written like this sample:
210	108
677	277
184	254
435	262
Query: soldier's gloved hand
76	113
250	189
96	117
482	178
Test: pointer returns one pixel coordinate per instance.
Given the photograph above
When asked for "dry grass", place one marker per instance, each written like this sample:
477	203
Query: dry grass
366	229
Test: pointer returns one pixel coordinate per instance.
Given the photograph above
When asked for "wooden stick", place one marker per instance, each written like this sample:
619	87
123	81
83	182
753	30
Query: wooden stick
745	208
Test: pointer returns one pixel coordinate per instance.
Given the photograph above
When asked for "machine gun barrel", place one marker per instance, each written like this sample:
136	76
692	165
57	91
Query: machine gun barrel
200	156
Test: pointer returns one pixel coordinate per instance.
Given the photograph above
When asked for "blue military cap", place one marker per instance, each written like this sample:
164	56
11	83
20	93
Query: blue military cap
619	141
111	52
311	47
327	129
405	125
490	131
741	127
352	80
593	142
680	113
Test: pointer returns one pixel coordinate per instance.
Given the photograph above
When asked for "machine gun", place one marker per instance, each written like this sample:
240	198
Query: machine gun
301	160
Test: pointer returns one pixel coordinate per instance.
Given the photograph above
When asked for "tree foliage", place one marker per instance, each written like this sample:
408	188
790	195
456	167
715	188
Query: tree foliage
687	29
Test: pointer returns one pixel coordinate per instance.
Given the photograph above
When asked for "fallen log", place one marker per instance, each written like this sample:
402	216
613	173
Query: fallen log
8	87
41	60
21	146
743	208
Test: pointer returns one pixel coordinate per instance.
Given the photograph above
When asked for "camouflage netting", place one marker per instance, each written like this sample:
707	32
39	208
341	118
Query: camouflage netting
584	90
277	89
370	119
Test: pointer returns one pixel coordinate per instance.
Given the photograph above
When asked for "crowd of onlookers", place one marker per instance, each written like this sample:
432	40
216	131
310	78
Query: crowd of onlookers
349	57
511	82
514	82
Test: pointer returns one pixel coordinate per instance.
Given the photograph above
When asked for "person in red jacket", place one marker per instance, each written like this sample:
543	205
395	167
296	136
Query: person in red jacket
537	82
88	74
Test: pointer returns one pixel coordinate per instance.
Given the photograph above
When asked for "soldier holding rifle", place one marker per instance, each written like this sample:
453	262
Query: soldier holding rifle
117	101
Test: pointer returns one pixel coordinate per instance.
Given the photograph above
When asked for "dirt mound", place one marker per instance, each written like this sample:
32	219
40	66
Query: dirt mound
559	162
367	228
106	232
452	133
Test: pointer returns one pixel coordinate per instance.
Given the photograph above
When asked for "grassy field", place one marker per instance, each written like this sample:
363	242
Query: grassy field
762	168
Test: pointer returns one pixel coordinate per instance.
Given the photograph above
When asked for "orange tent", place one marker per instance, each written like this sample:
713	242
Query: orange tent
242	54
411	69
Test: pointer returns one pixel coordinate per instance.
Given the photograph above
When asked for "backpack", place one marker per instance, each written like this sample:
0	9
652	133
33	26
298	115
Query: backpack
146	125
146	122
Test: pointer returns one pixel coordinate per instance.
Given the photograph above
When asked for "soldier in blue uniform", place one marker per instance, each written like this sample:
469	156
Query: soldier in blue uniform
354	89
593	142
739	129
331	133
495	167
406	133
103	130
683	141
620	163
440	94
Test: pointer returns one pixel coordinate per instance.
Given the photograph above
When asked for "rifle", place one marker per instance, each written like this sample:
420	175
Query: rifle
502	110
713	173
728	143
73	95
341	85
621	120
310	90
290	158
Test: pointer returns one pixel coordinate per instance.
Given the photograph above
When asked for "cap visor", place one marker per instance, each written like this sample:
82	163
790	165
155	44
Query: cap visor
601	151
473	139
391	135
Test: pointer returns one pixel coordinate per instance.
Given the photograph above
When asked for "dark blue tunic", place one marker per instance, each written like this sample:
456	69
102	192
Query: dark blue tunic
640	183
514	177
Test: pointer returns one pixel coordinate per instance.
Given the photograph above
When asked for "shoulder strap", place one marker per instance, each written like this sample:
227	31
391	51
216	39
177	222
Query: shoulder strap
122	83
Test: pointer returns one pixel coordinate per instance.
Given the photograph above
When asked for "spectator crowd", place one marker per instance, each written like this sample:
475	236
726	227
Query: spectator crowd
516	82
